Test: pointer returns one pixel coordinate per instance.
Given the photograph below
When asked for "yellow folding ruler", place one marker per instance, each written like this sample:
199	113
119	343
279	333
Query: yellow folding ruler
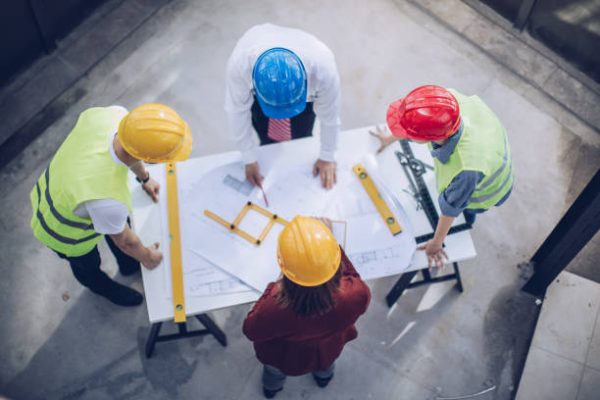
175	244
377	199
234	226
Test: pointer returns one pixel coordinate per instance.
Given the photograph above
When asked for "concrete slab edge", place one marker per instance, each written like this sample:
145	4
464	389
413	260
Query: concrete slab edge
435	11
69	93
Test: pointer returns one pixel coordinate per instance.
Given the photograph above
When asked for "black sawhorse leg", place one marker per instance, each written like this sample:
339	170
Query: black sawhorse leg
405	282
209	324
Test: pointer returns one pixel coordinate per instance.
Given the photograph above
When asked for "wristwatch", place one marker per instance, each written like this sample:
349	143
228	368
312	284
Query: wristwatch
143	181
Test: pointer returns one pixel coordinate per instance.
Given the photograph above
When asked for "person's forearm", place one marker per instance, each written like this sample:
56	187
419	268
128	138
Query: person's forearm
133	247
139	169
443	226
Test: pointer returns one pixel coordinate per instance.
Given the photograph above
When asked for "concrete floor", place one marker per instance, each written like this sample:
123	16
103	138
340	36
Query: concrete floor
59	341
565	349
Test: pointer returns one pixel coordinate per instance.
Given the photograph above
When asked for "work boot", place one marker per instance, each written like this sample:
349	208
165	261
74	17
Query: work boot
269	394
121	295
322	382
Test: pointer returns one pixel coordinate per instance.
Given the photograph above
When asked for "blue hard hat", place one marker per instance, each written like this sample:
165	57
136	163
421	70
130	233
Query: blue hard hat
279	81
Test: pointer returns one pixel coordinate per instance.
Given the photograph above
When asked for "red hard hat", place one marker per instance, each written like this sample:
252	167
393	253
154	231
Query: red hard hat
428	112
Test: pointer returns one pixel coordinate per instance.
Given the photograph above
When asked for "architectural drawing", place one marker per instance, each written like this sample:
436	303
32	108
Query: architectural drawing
374	256
291	191
203	278
381	262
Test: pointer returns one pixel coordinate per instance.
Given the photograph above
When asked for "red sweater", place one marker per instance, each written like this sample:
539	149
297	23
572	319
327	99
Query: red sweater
299	345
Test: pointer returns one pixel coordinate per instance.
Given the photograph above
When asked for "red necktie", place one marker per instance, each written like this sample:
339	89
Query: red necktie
279	129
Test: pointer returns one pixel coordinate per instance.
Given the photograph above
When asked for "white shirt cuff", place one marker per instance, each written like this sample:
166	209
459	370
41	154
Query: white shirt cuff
327	155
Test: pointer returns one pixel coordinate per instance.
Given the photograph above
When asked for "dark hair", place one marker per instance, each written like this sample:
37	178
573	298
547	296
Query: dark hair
307	301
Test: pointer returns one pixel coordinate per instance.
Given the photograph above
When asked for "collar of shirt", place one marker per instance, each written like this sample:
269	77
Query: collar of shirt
113	155
443	152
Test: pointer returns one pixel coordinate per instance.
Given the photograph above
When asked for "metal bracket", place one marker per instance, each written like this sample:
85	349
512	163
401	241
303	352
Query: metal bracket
414	169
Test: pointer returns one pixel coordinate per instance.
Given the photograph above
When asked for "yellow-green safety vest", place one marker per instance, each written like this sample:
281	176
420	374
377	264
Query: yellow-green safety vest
82	170
483	146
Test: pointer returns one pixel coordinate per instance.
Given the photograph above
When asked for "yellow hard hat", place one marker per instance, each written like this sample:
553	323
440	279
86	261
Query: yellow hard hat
307	252
155	133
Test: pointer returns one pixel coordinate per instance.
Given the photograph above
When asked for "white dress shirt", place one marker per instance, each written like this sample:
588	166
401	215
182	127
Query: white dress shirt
322	79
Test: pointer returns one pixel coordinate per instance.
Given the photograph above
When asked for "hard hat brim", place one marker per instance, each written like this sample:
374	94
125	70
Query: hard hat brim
393	121
282	112
313	282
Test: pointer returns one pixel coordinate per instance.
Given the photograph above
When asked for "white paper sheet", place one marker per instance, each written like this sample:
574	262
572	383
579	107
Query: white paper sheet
290	192
372	248
339	230
296	192
201	277
222	191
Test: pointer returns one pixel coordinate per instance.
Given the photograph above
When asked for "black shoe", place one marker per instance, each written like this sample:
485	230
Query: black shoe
122	295
269	394
322	382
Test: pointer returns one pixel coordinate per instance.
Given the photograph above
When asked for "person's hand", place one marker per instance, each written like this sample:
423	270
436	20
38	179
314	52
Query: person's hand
151	188
253	174
384	138
153	257
436	256
326	221
327	170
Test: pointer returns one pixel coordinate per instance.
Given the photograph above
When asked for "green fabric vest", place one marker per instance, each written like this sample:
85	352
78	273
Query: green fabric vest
82	169
483	146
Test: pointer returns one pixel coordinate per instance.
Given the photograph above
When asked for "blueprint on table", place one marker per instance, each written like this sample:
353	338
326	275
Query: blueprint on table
200	276
290	192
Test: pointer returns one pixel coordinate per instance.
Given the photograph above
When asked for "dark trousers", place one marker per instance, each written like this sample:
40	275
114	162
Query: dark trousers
86	268
273	378
471	215
302	124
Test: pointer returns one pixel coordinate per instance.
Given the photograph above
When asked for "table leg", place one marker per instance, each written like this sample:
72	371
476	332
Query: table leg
459	284
399	288
154	331
213	328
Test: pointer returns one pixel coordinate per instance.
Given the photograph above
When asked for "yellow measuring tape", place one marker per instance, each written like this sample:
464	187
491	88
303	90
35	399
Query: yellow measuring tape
175	244
235	225
377	199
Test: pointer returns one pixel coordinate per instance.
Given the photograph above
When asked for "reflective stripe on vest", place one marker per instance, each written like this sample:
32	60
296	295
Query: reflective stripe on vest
53	209
489	180
58	216
480	198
